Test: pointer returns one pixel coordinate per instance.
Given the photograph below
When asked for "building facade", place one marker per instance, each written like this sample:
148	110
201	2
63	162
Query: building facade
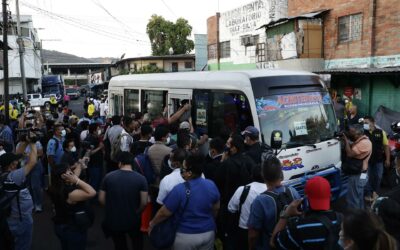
361	49
32	57
153	64
235	40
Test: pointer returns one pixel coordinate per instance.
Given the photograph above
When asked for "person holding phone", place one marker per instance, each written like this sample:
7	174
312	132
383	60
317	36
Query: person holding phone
318	220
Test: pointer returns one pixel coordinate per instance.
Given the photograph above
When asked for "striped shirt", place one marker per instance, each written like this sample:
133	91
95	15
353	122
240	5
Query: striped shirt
308	232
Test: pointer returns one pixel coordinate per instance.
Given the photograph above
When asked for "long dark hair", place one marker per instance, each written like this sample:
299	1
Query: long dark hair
367	231
57	187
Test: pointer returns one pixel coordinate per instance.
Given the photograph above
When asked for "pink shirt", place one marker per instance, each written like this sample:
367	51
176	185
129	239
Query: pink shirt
363	148
66	98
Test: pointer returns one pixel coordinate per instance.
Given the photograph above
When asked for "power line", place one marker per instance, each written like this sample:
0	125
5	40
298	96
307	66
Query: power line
170	10
79	24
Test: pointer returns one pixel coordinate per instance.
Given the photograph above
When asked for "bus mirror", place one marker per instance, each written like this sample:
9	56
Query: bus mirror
276	139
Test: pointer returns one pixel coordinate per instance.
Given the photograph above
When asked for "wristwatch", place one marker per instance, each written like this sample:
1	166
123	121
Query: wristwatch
283	214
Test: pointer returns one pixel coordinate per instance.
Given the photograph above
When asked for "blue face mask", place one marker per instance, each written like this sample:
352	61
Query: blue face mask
341	243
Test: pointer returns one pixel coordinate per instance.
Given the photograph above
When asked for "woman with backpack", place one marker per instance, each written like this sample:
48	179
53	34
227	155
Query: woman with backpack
72	216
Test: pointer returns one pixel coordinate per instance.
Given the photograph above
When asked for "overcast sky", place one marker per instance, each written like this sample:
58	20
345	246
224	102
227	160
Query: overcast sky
109	28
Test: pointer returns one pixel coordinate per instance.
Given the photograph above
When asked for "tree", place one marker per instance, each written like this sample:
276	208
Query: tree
164	34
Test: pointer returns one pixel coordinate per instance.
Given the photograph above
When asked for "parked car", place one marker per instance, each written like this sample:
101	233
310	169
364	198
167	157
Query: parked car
73	93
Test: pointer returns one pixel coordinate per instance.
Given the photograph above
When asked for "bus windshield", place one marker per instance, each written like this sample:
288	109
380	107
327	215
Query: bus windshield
304	118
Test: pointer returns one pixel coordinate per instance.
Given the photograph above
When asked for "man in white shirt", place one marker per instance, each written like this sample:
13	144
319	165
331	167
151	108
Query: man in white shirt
249	192
103	110
175	161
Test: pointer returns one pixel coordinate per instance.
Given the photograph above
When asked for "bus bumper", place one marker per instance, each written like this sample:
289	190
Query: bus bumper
333	174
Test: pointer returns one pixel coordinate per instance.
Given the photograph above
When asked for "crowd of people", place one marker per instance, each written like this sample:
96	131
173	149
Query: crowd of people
223	193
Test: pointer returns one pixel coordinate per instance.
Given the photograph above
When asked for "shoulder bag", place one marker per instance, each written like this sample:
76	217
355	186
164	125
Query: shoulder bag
163	234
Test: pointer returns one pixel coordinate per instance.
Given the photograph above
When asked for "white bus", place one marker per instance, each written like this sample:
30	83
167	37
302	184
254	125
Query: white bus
296	103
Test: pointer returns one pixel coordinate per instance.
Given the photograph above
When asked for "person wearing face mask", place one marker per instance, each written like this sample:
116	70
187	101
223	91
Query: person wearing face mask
55	149
380	157
175	162
213	160
253	146
358	149
364	230
20	222
95	152
196	227
235	171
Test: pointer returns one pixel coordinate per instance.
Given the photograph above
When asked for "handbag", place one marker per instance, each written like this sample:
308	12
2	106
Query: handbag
163	234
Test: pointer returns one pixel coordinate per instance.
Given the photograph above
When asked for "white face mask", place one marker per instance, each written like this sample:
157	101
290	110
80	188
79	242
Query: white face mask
366	126
99	132
168	140
63	133
73	149
170	164
209	154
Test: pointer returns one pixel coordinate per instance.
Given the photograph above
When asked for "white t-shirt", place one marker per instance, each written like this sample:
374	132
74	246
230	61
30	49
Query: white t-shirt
168	183
84	134
103	109
256	188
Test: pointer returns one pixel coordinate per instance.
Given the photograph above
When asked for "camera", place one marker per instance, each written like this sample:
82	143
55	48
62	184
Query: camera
32	134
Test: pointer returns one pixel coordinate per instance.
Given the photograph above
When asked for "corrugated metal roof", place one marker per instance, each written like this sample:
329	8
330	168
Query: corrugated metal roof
360	70
309	15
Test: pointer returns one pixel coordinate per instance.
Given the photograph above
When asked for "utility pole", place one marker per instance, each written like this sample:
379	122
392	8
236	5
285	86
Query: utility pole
5	60
21	46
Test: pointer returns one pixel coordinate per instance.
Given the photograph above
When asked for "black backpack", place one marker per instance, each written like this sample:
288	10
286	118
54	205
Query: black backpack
281	200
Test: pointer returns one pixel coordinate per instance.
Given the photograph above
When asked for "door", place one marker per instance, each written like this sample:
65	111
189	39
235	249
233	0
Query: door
174	67
175	98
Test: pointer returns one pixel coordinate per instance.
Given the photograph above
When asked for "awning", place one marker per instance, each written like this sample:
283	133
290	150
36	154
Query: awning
310	15
360	71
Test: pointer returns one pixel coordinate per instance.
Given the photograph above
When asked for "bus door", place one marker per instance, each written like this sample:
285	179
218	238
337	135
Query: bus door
175	97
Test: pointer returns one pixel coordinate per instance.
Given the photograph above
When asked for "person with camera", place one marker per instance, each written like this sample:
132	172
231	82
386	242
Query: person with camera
314	226
358	149
35	177
19	219
72	216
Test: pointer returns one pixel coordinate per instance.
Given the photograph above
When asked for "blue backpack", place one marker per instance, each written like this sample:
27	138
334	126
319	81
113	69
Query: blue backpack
144	167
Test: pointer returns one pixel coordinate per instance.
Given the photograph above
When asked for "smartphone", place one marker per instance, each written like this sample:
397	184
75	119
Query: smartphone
304	204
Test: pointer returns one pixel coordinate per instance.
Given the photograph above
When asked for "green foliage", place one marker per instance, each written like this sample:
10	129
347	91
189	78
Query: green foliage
148	69
164	34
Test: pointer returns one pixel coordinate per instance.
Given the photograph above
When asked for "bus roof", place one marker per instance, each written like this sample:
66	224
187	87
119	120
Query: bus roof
200	79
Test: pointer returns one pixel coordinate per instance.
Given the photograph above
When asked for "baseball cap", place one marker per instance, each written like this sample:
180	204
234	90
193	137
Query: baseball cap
250	130
184	125
318	191
7	158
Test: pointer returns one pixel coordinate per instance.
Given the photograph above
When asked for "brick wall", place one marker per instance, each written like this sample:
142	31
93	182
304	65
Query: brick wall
212	30
387	23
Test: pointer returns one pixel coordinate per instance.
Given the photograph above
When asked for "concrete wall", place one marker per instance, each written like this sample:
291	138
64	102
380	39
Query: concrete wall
243	21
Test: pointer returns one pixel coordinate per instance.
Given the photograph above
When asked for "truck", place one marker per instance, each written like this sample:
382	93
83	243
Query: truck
72	92
37	100
53	85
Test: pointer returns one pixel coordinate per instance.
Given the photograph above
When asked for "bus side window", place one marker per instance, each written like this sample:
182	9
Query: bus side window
131	101
230	111
153	102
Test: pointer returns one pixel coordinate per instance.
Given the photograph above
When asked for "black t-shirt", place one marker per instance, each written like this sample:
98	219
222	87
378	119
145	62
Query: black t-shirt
122	190
96	159
63	210
138	147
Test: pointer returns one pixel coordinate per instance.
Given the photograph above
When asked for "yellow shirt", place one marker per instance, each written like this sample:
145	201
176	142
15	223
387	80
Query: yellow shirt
53	100
91	109
13	114
9	105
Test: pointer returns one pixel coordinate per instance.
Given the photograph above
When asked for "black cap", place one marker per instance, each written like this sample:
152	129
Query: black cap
7	158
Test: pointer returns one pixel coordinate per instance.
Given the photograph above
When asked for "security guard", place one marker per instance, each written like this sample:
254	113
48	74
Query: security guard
53	103
380	156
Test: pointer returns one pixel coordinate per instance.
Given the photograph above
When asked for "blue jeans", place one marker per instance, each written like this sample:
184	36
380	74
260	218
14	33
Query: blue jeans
355	192
375	172
36	186
95	174
22	231
71	238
